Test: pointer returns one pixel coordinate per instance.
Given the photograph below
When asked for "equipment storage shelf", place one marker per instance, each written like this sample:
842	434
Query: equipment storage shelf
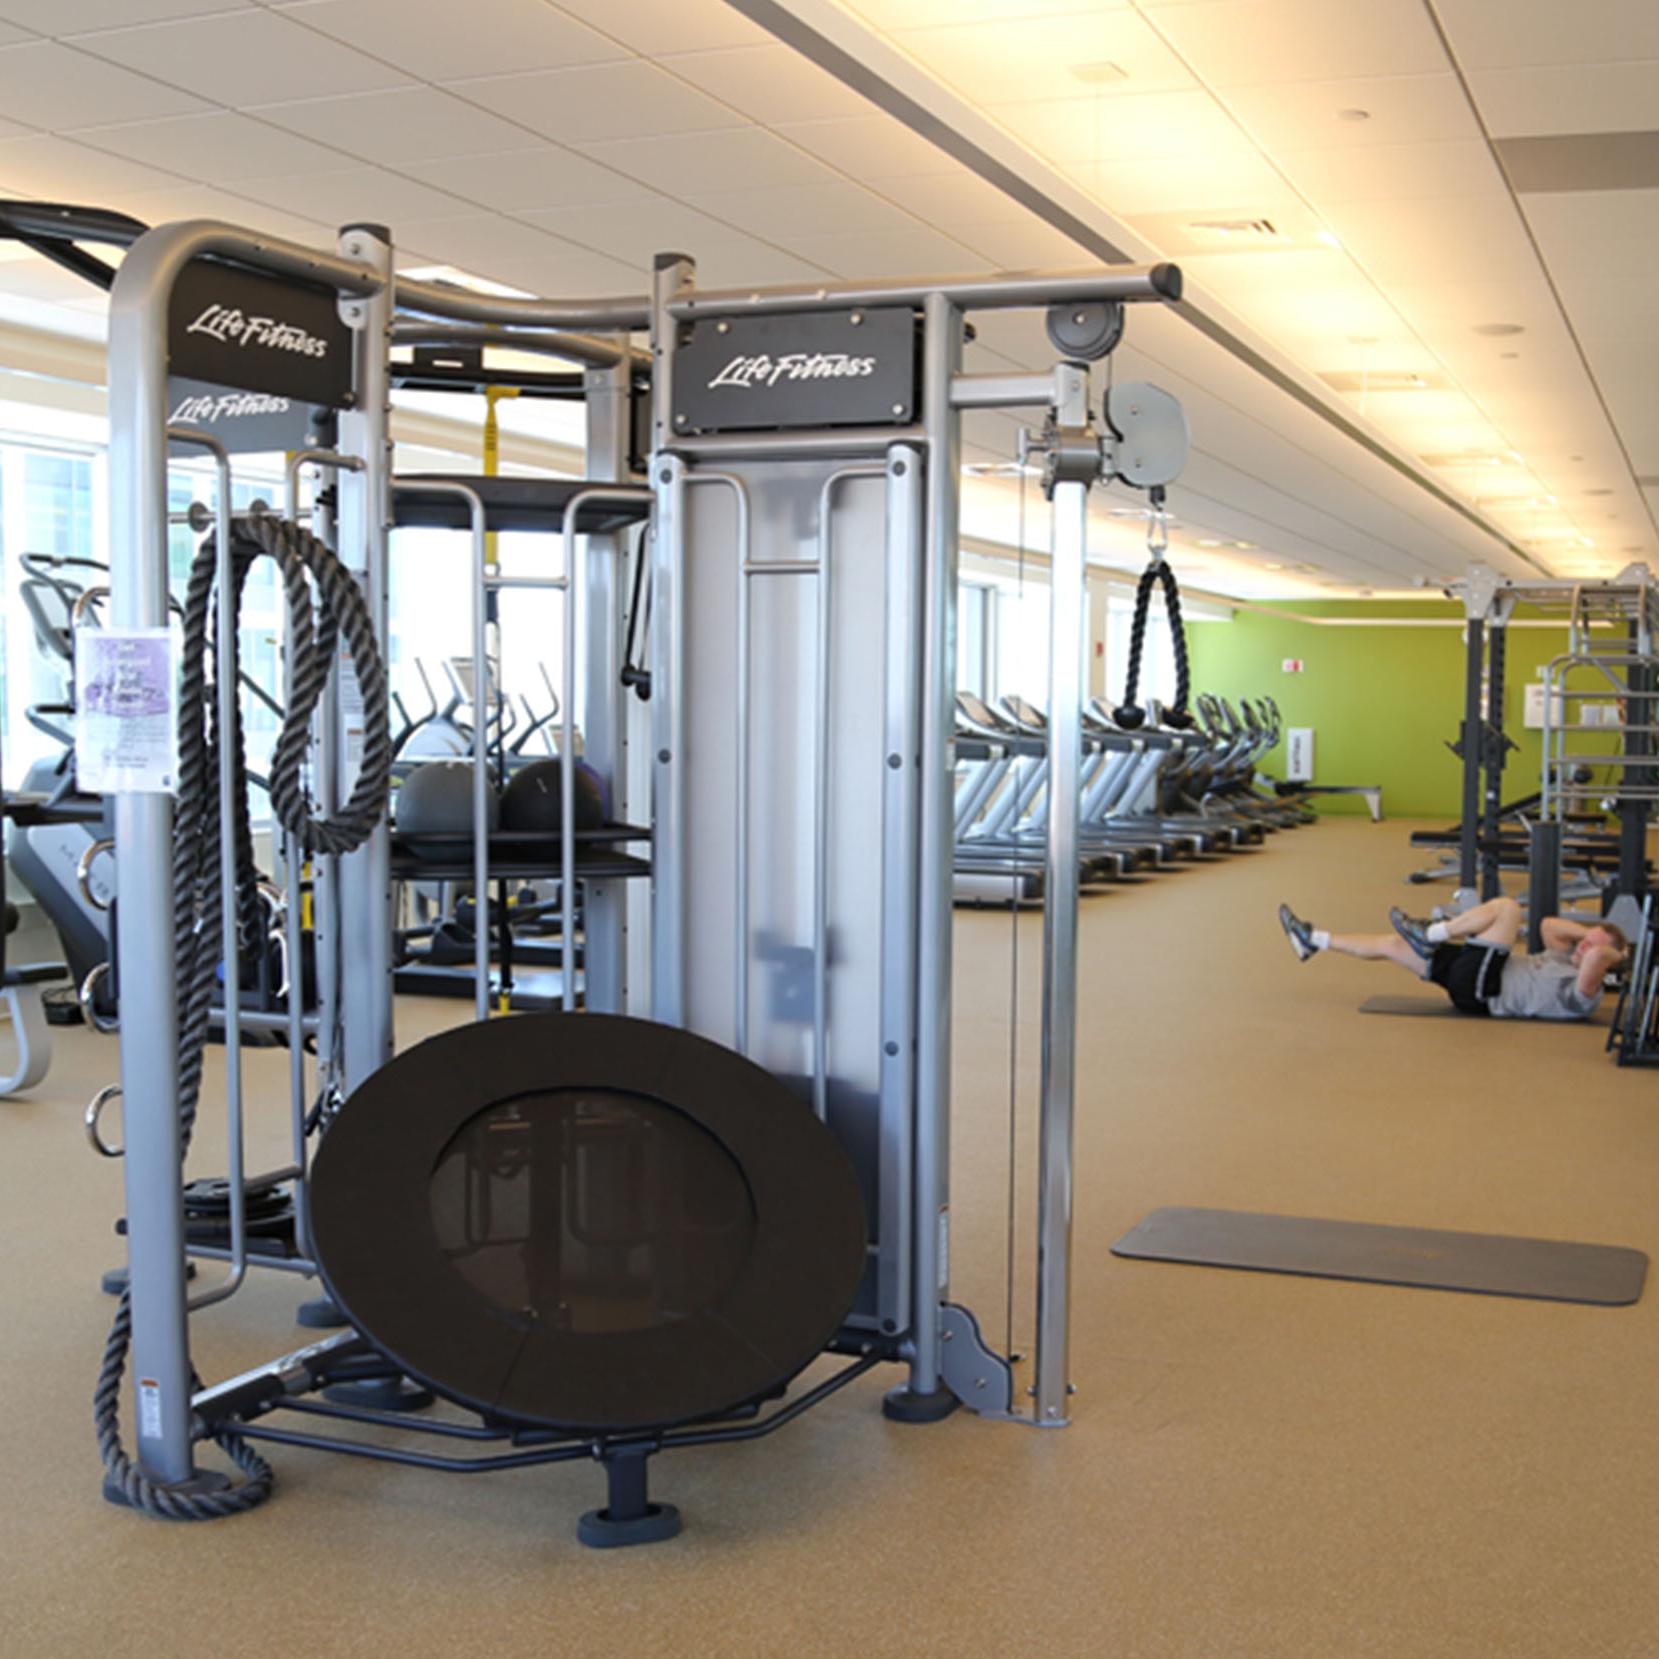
534	504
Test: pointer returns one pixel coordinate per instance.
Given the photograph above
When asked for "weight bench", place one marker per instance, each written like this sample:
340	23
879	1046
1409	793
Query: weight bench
1305	791
30	1031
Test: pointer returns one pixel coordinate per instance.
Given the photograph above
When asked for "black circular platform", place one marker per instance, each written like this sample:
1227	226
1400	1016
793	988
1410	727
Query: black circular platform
587	1222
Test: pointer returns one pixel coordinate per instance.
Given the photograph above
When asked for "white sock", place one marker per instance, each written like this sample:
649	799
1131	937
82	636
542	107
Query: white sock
1437	934
1320	939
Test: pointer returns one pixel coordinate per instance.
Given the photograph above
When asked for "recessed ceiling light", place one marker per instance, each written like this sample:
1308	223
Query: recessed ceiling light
1362	339
1210	541
1353	115
1328	237
1598	492
1495	331
1099	73
1509	356
452	276
1272	564
1244	546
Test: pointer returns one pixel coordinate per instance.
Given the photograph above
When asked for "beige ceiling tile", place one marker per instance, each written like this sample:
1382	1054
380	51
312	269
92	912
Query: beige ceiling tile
55	169
918	14
953	196
1240	42
658	27
600	101
543	177
1439	299
1032	244
1548	102
408	123
1611	310
1598	233
200	201
227	146
1415	109
1394	172
883	253
57	87
745	264
636	232
866	146
738	158
369	193
438	43
768	83
1239	182
72	17
822	209
1126	128
1038	57
1479	239
1526	32
256	53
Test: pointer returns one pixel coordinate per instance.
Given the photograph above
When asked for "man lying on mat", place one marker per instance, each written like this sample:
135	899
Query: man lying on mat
1473	958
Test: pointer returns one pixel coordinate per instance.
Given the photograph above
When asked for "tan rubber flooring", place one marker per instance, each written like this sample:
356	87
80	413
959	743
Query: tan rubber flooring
1257	1465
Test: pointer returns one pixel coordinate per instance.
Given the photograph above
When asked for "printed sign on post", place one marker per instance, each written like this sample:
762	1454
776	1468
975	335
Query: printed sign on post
124	716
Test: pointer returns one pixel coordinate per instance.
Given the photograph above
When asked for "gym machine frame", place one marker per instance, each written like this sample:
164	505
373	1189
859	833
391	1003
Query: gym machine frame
911	469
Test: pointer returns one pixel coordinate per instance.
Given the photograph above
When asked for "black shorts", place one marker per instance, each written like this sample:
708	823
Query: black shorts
1469	974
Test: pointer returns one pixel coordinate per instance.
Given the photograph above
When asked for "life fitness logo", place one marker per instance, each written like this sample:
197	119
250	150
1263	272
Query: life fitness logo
205	410
796	365
235	327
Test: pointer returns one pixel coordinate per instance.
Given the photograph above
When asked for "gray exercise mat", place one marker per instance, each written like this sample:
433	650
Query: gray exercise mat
1488	1264
1414	1007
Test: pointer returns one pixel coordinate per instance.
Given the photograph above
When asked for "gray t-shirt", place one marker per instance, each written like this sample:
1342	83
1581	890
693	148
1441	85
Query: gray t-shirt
1542	987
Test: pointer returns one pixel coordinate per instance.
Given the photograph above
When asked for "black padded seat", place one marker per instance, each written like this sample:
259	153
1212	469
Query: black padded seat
587	1222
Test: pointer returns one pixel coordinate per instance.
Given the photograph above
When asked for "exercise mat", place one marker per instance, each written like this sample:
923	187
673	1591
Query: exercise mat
1488	1264
1413	1007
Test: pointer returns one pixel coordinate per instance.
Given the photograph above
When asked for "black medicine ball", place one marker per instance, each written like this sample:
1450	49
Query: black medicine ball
532	799
436	799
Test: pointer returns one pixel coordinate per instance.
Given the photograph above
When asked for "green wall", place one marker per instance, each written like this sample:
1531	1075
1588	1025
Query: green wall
1383	701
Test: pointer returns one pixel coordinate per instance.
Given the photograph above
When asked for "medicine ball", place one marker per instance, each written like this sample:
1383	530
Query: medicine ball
532	800
436	800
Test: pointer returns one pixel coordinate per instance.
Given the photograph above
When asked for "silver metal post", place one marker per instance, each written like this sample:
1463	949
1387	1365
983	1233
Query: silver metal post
1068	620
230	954
368	1037
941	362
160	1355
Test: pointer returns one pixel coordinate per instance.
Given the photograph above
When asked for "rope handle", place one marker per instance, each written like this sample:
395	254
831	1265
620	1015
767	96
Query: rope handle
1129	714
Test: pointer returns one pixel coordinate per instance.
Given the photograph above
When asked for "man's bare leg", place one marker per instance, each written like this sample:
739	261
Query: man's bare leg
1497	922
1379	947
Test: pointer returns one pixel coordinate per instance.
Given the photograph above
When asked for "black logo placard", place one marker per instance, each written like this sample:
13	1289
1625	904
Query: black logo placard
246	423
231	327
812	368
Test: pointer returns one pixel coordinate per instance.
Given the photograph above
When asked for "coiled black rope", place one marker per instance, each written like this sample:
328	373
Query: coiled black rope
315	628
1129	714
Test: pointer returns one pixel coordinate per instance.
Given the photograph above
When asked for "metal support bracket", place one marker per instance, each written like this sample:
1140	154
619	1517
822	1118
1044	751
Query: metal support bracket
980	1378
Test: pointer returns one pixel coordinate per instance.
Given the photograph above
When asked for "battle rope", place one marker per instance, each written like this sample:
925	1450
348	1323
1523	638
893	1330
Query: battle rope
1129	714
313	636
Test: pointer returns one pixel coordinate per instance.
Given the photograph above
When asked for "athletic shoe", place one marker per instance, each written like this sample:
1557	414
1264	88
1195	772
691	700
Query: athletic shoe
1414	930
1298	933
